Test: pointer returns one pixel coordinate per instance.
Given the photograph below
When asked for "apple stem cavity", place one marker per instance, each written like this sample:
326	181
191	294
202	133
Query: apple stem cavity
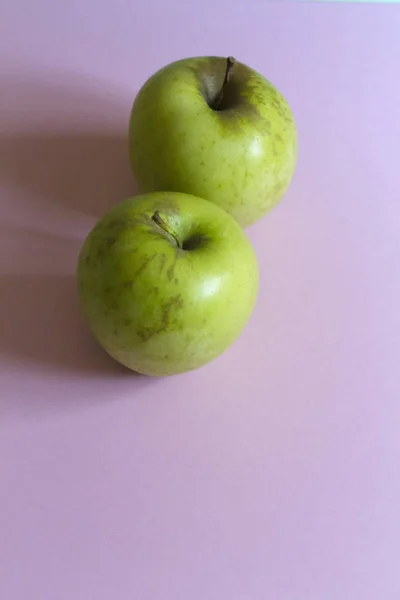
157	218
217	104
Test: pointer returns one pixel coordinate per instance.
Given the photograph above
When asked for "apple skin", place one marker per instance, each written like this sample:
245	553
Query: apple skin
241	157
155	307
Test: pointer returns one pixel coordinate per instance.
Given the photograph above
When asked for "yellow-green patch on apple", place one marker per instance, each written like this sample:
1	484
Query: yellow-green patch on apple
167	281
215	128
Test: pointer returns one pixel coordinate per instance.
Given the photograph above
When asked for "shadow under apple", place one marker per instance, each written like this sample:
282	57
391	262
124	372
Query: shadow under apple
41	322
65	139
86	172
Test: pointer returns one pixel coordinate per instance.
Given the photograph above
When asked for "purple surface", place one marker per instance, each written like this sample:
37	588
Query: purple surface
273	473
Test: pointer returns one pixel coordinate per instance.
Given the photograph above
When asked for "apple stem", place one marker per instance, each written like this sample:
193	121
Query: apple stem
230	62
157	218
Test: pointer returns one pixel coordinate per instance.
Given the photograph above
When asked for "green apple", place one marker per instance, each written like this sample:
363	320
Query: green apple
167	281
214	128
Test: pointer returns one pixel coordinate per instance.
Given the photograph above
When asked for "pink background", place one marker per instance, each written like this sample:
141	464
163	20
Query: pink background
273	473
